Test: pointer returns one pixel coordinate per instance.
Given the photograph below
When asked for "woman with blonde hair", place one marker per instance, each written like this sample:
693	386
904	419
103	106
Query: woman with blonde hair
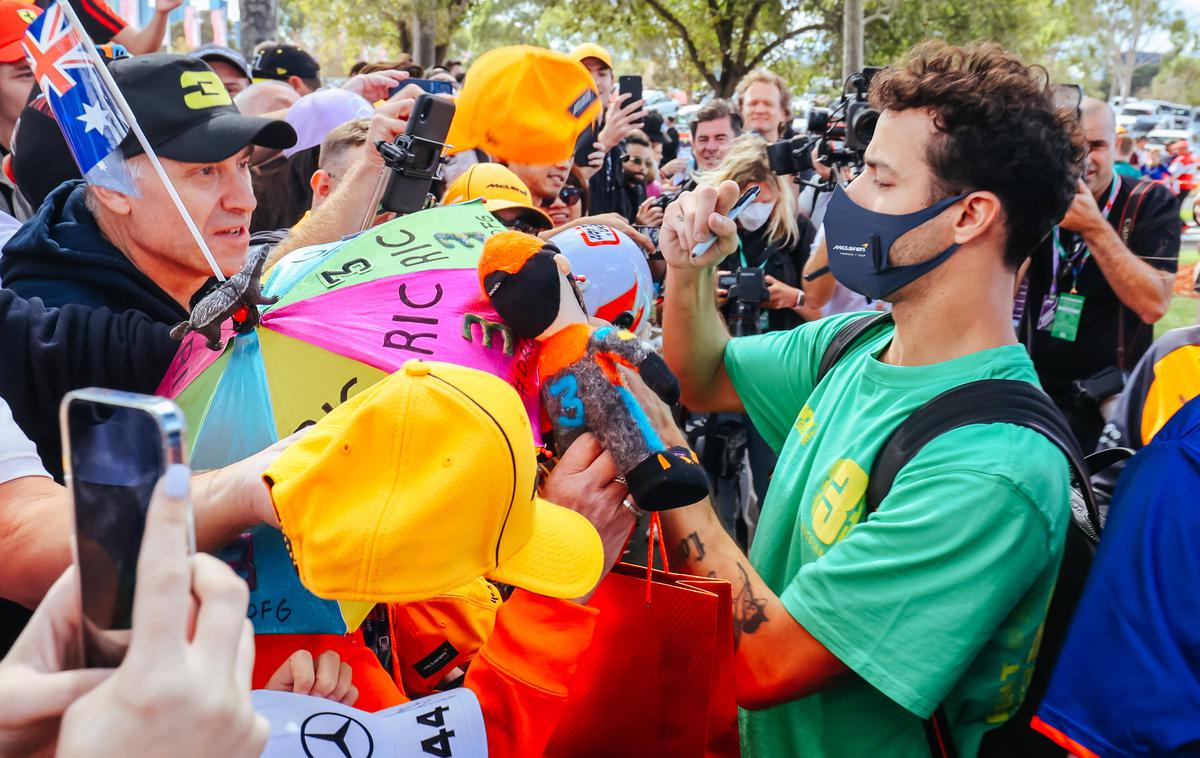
776	235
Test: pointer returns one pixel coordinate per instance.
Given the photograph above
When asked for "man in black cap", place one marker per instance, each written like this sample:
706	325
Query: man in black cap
95	246
288	63
229	64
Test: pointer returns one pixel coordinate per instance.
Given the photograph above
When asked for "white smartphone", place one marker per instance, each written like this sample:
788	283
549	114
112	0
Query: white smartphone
116	446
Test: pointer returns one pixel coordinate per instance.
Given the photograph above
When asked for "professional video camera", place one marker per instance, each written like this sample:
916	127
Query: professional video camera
841	135
747	291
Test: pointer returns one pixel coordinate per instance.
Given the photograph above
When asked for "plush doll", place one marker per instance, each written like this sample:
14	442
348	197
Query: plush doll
530	285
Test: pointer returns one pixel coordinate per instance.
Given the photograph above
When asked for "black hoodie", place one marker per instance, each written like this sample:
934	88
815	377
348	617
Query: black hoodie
44	354
60	256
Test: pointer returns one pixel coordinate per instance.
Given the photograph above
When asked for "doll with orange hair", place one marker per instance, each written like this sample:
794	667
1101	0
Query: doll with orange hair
530	285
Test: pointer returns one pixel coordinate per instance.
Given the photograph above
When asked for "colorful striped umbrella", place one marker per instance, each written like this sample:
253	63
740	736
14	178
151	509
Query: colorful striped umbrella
348	314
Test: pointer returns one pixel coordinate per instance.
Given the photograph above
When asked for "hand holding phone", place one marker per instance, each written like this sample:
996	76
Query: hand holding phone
630	84
117	445
183	689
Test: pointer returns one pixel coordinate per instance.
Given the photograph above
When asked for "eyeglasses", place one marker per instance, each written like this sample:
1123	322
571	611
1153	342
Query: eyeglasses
638	161
568	194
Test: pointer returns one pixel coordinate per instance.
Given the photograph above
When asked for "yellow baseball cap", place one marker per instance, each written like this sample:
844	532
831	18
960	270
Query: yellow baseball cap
499	188
592	50
422	483
524	104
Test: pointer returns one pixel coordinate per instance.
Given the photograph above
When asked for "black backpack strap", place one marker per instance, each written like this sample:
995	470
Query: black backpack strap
846	337
985	401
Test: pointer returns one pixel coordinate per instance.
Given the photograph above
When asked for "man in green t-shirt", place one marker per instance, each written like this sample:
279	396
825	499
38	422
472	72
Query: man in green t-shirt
850	632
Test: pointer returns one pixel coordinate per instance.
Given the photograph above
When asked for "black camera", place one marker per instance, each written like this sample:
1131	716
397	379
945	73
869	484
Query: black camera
747	289
841	135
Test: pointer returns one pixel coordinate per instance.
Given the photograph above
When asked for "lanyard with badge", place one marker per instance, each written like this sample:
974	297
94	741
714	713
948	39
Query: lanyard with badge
1060	313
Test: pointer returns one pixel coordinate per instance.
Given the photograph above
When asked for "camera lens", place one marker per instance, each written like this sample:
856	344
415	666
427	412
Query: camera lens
864	125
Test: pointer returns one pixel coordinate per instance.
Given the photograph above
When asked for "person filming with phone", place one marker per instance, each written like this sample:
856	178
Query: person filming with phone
931	608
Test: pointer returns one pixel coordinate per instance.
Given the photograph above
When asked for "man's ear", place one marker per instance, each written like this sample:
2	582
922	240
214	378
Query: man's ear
320	183
295	83
111	200
978	214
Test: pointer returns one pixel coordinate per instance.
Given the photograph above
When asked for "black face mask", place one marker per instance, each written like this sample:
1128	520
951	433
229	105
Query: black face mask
858	241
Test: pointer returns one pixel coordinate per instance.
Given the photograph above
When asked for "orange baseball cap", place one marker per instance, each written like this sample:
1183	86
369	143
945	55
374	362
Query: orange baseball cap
432	637
524	104
592	50
15	18
499	188
422	483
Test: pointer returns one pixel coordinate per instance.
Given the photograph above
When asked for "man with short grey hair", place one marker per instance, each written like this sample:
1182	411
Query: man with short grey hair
100	247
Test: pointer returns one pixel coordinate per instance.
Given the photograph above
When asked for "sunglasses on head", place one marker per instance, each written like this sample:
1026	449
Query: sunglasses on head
569	195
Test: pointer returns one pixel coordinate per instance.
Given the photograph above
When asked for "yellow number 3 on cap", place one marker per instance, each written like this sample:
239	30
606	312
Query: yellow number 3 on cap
202	89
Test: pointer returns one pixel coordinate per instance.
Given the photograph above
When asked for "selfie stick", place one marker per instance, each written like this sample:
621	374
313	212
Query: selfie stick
127	113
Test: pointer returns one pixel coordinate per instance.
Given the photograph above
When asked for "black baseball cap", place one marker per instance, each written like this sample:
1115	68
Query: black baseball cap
281	61
186	112
212	52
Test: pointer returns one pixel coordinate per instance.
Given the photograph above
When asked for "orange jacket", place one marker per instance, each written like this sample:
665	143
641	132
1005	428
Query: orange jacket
520	675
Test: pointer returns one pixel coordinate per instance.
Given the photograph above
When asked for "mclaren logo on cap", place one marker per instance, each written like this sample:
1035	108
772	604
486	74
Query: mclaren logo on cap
26	15
581	104
202	89
499	185
336	736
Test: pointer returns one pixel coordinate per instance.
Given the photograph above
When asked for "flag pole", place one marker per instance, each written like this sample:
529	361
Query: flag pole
127	113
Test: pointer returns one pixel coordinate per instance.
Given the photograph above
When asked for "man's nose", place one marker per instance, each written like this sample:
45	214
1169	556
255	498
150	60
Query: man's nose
238	194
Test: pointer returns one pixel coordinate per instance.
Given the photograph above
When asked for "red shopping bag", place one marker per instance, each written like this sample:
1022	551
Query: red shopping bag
658	677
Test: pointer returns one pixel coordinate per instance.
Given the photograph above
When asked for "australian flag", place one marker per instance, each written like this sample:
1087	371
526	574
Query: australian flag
81	102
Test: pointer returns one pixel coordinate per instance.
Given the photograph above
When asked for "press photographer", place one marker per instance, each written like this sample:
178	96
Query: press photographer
760	284
758	289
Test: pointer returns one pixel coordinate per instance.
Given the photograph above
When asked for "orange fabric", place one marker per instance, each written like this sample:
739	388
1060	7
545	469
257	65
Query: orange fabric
563	349
521	676
508	252
1061	739
432	637
376	690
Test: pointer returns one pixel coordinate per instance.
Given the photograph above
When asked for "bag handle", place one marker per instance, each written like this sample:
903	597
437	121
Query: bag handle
655	536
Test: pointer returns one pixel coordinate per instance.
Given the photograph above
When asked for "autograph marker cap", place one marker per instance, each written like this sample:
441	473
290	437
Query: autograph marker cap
422	483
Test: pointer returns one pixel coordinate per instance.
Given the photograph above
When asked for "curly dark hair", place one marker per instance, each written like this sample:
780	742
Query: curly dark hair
998	130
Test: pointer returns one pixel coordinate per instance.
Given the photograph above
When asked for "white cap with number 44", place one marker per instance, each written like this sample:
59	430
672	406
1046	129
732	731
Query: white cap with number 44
445	725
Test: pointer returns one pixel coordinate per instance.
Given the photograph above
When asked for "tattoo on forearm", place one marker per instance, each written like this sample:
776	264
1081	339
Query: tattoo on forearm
749	612
685	547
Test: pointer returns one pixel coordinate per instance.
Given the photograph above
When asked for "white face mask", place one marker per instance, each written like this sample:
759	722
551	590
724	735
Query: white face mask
755	215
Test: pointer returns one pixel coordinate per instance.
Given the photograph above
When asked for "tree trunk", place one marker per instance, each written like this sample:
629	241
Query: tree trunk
260	21
424	32
852	37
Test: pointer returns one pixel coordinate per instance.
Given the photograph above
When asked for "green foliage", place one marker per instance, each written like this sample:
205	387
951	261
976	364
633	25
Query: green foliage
707	45
1177	80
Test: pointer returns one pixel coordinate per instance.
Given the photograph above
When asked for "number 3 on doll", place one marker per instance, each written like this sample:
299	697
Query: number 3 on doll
566	390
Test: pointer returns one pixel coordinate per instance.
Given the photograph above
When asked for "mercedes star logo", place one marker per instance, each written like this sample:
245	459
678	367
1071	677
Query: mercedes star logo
335	735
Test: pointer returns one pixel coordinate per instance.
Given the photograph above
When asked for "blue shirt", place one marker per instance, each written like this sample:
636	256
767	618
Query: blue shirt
1127	682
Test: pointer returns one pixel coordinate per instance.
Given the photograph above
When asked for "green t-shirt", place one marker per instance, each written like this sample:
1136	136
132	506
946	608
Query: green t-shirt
939	596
